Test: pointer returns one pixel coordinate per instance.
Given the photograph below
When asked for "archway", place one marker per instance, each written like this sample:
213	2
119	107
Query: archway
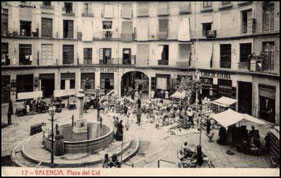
134	81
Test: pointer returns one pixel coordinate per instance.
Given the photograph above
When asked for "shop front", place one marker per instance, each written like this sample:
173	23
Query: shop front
24	83
106	82
267	102
87	81
67	81
47	84
162	85
207	87
225	88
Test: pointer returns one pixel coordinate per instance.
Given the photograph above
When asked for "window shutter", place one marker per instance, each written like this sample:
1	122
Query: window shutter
70	29
101	53
272	17
249	22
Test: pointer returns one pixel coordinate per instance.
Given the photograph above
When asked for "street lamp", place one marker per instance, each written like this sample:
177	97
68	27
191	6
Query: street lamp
51	111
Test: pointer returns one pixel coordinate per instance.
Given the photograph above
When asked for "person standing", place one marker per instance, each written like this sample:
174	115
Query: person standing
106	161
152	94
10	112
208	125
119	132
138	117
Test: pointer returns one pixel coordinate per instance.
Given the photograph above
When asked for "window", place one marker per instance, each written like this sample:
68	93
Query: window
25	54
72	84
268	51
164	54
47	54
163	29
247	21
143	9
5	54
24	83
47	3
207	4
25	28
206	28
268	17
87	9
184	7
126	56
62	84
225	2
88	55
245	52
68	7
68	29
105	55
68	54
225	56
107	25
47	27
4	24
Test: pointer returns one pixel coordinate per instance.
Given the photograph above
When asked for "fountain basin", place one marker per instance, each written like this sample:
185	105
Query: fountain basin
99	137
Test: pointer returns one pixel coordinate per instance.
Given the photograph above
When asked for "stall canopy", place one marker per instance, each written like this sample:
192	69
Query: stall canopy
178	95
230	117
224	101
30	95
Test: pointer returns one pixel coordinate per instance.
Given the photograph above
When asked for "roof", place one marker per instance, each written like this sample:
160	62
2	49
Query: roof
230	117
179	95
224	101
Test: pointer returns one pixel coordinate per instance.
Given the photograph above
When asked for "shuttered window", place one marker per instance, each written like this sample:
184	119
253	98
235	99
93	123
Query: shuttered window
47	53
225	53
163	25
247	22
68	54
142	9
4	20
68	28
268	17
47	27
88	53
184	7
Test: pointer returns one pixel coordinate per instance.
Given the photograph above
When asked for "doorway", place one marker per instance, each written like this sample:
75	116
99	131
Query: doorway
127	56
47	84
245	97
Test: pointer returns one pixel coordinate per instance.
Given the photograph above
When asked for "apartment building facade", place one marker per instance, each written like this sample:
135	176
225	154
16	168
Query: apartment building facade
68	45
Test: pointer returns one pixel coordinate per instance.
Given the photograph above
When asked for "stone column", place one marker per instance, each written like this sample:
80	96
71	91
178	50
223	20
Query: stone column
80	125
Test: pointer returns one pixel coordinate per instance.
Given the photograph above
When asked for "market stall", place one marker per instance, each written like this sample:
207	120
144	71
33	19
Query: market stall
222	104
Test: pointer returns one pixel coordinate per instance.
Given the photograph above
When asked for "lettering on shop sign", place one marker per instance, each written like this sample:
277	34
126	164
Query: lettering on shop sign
218	75
103	69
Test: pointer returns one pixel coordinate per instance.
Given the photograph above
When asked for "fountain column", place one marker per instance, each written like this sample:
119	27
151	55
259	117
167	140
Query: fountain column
80	125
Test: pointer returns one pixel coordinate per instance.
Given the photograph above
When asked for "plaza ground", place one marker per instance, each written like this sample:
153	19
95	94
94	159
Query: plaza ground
155	143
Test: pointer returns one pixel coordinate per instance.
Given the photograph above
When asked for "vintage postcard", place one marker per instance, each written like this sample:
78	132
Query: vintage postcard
178	88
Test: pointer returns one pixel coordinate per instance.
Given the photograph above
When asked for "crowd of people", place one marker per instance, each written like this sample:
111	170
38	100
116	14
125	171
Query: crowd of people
244	141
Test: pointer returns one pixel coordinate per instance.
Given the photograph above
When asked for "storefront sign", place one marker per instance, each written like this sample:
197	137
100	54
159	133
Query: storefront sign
218	75
102	69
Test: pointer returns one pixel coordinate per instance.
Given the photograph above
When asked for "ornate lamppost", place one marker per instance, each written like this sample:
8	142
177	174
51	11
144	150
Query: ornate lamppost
51	111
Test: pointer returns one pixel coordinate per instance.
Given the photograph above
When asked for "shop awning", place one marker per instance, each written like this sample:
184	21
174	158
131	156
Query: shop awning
252	119
224	101
30	95
230	117
178	95
61	93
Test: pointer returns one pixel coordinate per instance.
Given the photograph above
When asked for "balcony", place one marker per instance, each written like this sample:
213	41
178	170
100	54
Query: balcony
47	7
162	35
87	14
163	62
67	12
225	6
211	34
112	61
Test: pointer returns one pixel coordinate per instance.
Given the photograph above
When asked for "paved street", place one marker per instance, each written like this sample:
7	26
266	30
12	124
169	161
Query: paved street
154	143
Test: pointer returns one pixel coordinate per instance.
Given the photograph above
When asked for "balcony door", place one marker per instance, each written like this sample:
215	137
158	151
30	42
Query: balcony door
127	56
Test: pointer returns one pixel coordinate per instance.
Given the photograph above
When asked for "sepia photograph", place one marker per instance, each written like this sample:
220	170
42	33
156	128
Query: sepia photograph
176	88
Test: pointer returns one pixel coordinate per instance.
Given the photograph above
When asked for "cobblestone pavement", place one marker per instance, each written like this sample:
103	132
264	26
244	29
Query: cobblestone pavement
152	141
